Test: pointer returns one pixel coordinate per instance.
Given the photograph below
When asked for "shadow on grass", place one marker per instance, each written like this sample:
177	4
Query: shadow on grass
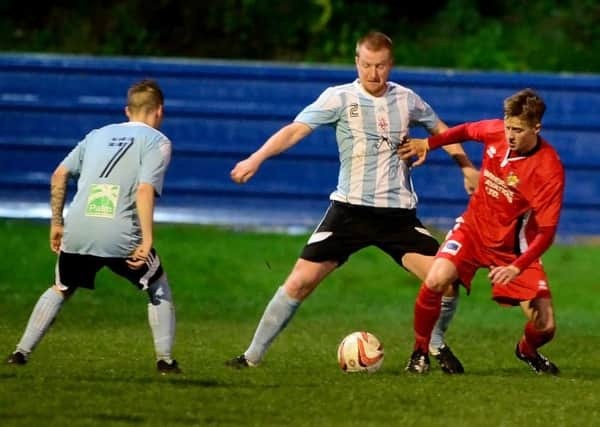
129	419
178	381
5	376
102	419
565	374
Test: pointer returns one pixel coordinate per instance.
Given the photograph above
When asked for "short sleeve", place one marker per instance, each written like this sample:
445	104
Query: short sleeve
155	160
324	111
74	160
421	113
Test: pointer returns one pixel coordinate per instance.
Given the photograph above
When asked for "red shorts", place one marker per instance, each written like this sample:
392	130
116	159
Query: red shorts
464	250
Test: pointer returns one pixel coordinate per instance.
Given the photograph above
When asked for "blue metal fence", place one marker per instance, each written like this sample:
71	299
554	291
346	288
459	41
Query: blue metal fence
219	112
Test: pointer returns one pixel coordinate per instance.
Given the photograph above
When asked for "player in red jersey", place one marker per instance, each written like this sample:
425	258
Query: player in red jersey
510	222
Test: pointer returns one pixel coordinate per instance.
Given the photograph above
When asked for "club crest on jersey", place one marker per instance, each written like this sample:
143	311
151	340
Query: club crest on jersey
451	247
382	124
512	180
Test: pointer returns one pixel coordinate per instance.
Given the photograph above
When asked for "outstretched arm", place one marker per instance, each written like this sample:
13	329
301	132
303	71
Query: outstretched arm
420	147
58	194
283	139
470	172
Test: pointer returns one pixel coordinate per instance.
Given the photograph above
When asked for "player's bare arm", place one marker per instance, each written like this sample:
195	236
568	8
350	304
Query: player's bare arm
145	209
283	139
58	194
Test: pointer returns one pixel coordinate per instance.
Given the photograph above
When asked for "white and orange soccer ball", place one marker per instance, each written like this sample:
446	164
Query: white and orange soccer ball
360	352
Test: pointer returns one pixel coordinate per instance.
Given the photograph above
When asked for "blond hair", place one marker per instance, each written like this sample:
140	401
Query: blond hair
375	41
526	105
144	96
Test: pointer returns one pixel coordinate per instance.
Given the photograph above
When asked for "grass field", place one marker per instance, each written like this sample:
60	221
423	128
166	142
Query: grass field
96	365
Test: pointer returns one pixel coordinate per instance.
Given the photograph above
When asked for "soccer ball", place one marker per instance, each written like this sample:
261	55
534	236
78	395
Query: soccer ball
360	352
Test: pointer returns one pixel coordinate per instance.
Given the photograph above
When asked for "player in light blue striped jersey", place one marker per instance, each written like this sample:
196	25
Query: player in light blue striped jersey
374	202
120	170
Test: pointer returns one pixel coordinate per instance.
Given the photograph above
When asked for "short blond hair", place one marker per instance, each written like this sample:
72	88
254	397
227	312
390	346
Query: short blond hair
526	105
144	96
376	41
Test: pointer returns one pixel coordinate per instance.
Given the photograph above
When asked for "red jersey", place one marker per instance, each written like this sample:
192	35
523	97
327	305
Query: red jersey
517	194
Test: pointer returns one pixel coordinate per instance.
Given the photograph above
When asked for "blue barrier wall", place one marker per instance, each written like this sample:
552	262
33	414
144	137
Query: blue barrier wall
219	112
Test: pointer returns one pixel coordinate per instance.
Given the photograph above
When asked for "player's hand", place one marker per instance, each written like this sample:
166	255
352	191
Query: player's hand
139	256
471	179
504	274
244	170
56	235
414	147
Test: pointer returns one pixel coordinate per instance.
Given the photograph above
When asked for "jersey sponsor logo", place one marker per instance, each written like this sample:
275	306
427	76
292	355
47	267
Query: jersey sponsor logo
451	247
385	140
102	200
119	141
512	180
495	187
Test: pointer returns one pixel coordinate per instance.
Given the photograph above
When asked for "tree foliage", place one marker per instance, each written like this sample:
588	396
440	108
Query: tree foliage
506	35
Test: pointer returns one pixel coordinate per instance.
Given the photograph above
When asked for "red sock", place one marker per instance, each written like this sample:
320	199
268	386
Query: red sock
427	311
534	339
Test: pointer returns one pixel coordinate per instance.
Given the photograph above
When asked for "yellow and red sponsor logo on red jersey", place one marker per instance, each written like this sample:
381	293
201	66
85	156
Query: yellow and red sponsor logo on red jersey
512	180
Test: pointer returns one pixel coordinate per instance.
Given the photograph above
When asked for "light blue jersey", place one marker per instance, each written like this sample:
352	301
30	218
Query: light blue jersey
111	162
368	131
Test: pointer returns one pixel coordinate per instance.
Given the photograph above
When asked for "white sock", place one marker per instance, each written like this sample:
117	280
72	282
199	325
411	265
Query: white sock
278	313
161	317
449	305
41	318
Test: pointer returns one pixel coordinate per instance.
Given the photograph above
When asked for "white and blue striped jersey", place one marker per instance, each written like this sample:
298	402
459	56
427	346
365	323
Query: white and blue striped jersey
368	131
111	162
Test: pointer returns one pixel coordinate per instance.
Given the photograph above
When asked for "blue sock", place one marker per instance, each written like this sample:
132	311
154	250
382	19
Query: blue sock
449	305
41	318
161	317
278	313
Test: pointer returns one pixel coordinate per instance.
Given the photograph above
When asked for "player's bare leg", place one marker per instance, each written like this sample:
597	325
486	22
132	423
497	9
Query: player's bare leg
418	264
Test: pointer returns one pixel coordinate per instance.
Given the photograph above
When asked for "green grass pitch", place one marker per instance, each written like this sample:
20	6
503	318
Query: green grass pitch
96	365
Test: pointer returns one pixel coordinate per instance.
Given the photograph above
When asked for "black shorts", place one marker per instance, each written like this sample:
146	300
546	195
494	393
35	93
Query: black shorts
347	228
79	271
